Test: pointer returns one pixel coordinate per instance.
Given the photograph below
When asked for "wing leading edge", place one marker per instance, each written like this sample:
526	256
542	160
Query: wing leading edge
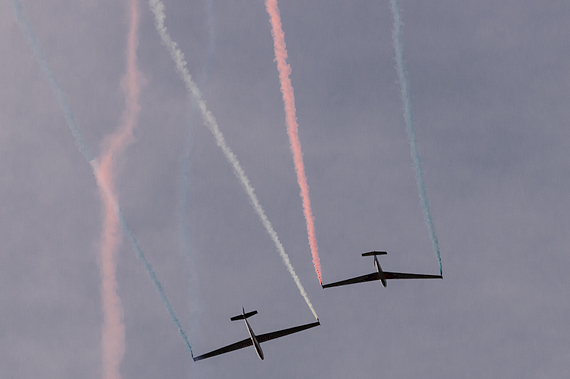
261	338
282	333
226	349
376	276
358	279
403	275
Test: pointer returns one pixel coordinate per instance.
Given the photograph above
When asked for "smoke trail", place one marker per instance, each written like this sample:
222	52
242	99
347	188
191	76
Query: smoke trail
157	8
184	234
113	326
292	126
184	176
63	103
398	46
113	341
135	245
18	13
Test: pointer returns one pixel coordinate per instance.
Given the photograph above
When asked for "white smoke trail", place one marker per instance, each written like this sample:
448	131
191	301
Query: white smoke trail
398	46
79	141
157	8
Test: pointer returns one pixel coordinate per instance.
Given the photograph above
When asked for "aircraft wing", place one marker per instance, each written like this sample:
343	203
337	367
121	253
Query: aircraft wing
281	333
226	349
358	279
401	275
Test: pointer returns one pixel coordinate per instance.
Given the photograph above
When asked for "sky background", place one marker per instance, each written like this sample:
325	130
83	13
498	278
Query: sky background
489	85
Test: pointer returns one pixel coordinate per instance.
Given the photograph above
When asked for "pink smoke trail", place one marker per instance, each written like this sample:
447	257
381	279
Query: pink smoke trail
292	126
113	343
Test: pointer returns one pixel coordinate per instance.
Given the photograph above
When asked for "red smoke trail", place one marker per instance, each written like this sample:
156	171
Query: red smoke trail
292	126
113	327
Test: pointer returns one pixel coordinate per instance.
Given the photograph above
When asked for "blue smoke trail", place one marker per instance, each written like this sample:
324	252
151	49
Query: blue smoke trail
83	148
64	104
184	234
398	46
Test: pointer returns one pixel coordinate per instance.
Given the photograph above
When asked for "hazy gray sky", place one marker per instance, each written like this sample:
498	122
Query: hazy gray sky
489	88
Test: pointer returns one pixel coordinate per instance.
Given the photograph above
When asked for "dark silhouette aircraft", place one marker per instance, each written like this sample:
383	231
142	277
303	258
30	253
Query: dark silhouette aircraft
254	339
380	275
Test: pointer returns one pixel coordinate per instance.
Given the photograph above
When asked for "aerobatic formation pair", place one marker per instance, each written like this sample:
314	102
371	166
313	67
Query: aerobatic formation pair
254	340
157	7
289	100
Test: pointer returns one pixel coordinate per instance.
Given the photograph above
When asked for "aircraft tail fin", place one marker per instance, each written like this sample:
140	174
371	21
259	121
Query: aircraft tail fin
374	253
243	316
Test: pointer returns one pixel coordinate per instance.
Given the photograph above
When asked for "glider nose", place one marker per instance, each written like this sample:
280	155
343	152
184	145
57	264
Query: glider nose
259	350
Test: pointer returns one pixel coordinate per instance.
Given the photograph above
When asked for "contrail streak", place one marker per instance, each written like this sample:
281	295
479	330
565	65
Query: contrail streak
292	126
398	46
157	8
113	326
64	104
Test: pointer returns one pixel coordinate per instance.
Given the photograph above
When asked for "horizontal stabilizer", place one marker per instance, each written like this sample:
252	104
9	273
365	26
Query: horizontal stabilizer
374	253
243	316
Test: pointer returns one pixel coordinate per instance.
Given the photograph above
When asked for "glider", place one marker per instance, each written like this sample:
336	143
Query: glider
380	274
254	339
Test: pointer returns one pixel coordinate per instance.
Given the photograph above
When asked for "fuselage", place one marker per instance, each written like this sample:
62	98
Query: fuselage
380	272
256	344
